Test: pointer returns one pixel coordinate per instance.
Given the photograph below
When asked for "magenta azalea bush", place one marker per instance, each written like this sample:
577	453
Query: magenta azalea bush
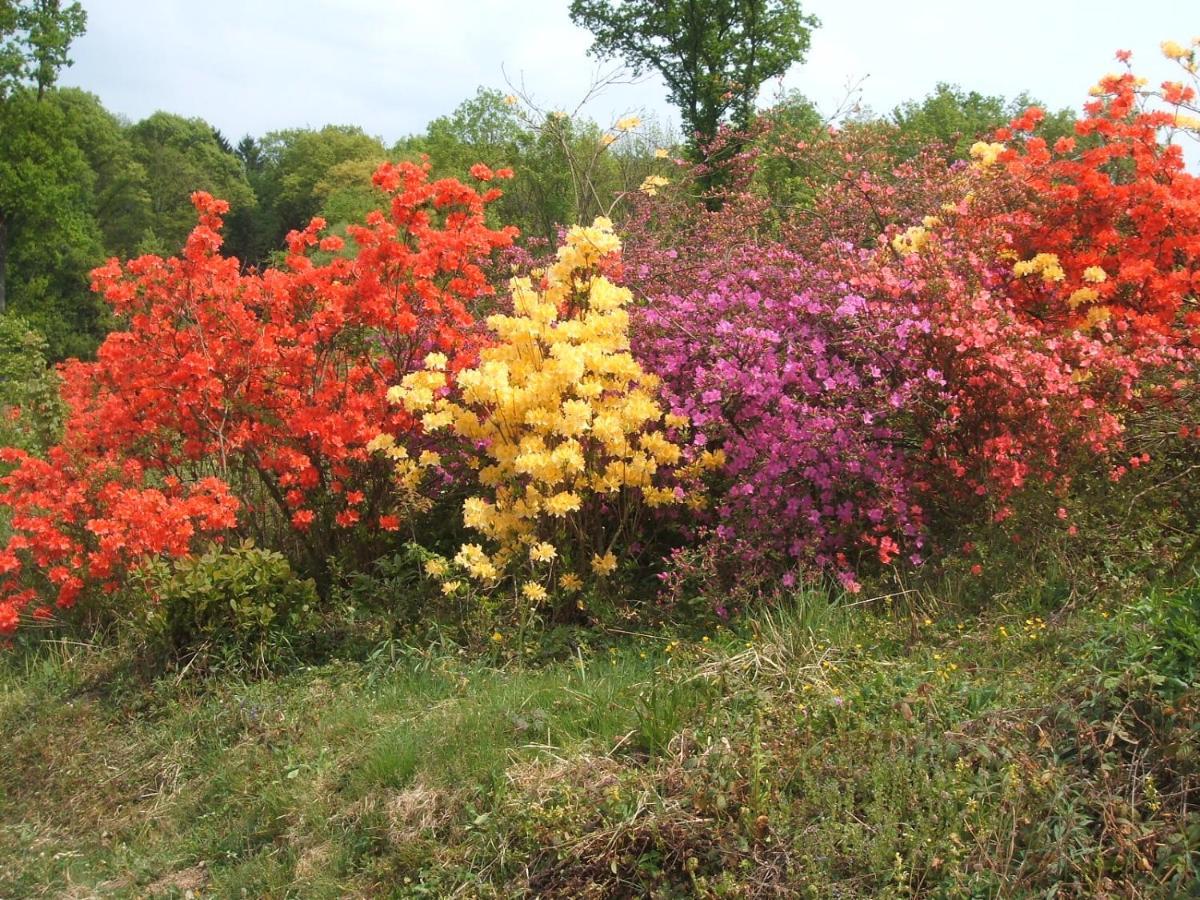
804	384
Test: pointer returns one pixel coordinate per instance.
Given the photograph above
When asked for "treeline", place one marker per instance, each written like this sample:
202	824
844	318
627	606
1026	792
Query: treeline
80	184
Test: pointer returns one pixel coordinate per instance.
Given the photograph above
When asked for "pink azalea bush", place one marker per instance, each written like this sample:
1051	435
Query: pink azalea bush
803	383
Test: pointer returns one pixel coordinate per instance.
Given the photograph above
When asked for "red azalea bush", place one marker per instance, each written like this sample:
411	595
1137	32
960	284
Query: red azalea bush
254	392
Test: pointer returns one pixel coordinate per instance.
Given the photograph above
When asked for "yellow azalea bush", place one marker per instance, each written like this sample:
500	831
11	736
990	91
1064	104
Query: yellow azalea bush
568	436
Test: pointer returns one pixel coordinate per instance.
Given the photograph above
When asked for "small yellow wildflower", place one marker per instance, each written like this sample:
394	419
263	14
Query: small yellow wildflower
569	581
628	123
449	587
542	552
604	565
660	153
497	637
533	591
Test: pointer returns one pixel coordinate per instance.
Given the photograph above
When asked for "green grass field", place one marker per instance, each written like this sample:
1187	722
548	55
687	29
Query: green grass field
824	752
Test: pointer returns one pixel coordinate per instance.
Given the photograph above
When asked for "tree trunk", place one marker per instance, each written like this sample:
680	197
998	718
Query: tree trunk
3	263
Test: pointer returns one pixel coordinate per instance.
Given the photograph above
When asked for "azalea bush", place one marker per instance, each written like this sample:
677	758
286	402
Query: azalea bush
247	400
1114	209
562	424
800	386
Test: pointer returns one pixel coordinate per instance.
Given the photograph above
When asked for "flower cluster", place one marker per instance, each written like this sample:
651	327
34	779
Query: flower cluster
1116	210
569	438
79	524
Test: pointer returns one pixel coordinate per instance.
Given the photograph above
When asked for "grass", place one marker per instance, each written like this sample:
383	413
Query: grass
823	752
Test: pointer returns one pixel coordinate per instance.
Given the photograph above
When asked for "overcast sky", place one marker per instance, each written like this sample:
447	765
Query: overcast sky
251	66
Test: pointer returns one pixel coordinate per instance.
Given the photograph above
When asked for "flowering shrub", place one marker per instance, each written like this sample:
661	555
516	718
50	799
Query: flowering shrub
562	423
801	385
264	387
1019	406
1112	229
983	395
80	524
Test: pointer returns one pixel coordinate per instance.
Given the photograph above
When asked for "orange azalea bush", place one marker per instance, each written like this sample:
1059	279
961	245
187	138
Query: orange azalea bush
248	399
1112	231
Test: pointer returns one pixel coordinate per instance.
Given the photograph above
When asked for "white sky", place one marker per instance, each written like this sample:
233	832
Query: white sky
251	66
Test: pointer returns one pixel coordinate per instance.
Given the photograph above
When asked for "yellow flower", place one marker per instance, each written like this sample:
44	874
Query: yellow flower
1187	121
628	123
661	153
533	591
429	458
1045	263
436	361
381	442
912	240
608	140
497	637
562	503
542	552
1095	274
1083	295
569	581
604	565
1172	50
986	154
436	568
651	184
1098	315
449	587
511	100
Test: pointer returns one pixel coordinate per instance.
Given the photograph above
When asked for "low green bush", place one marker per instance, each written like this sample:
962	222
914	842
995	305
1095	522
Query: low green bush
242	602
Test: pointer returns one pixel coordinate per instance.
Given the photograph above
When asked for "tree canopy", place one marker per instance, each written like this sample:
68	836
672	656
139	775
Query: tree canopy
714	55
